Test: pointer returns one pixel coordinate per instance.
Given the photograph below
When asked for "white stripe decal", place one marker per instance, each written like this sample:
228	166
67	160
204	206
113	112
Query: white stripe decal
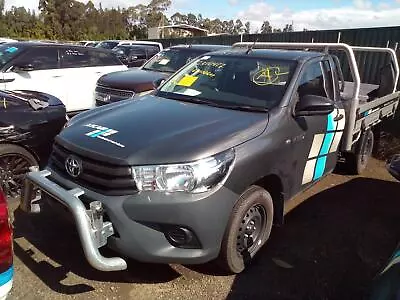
336	141
316	145
309	171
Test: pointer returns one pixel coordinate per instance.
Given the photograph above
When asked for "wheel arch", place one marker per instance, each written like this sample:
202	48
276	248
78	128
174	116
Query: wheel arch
33	153
273	184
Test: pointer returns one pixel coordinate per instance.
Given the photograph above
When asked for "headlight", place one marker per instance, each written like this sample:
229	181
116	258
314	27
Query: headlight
195	177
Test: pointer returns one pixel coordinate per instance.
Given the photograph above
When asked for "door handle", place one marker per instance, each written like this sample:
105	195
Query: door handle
338	118
57	76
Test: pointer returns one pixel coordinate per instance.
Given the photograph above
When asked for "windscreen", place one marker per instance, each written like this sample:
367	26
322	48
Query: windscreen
107	45
121	50
231	81
170	60
8	52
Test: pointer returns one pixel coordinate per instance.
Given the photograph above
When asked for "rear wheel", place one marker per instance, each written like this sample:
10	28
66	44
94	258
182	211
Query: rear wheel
357	163
14	164
248	229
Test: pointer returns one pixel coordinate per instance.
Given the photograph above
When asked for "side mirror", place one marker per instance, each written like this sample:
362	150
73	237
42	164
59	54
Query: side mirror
311	105
23	68
158	82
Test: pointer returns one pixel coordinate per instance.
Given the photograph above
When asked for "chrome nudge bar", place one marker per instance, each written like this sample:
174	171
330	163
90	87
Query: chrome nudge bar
93	232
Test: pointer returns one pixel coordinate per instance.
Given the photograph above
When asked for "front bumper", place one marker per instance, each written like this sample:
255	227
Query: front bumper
92	234
137	219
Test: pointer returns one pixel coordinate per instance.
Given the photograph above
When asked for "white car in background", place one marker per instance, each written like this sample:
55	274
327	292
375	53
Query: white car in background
7	40
69	72
111	44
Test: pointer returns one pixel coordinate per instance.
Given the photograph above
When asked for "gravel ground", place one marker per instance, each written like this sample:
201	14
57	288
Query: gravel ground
330	247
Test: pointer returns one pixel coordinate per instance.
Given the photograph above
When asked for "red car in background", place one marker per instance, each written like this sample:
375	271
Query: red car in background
6	249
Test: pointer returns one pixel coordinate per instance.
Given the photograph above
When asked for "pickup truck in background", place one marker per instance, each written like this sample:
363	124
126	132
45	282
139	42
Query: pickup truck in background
128	84
201	169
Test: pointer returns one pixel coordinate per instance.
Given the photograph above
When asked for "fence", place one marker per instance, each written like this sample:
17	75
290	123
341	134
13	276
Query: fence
369	63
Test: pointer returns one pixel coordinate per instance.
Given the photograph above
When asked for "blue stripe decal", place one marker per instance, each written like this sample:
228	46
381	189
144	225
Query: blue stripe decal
327	143
6	276
331	123
320	167
99	133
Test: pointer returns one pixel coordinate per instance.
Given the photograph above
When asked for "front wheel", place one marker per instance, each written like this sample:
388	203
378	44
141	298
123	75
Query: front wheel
248	229
14	164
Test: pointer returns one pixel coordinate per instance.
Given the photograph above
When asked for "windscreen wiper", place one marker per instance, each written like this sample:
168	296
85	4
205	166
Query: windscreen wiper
185	98
248	108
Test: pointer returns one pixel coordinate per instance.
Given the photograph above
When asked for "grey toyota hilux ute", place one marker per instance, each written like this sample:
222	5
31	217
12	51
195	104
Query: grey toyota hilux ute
202	169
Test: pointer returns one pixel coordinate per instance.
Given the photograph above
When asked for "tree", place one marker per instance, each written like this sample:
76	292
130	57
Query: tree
247	28
288	28
1	7
266	27
192	20
239	28
77	20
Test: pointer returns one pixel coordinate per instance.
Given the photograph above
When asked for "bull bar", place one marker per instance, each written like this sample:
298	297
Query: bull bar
93	231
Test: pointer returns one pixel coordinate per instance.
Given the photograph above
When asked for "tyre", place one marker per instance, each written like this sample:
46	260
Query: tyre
248	229
14	164
357	163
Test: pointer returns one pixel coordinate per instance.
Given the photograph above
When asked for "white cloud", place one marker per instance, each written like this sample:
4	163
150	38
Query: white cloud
362	4
233	2
361	14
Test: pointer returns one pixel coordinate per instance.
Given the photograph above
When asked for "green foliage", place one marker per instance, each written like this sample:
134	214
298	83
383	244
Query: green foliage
74	20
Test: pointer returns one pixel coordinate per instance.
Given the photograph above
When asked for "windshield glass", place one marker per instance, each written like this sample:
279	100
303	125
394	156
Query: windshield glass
8	52
170	60
231	81
107	45
121	50
125	50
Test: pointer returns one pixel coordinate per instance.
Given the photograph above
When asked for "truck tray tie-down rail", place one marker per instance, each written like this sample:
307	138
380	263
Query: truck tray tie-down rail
93	232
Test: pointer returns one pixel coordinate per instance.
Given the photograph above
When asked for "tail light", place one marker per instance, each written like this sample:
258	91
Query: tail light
6	247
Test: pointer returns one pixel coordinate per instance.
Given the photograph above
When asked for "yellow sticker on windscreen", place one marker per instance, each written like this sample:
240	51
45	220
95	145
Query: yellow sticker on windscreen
188	80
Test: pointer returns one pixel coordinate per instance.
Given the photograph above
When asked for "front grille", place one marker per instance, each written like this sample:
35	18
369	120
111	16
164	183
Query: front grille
114	92
98	176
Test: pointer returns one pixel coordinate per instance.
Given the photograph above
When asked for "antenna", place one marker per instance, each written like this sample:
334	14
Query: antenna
251	46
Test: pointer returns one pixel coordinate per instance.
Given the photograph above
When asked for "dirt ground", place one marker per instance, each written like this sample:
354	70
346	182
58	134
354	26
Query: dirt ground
330	247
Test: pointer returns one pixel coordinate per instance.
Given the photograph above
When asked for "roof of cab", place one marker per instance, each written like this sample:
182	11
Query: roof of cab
278	54
45	44
205	47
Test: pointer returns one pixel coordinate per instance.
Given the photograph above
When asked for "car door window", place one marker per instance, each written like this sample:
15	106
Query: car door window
312	81
75	58
328	80
100	58
40	58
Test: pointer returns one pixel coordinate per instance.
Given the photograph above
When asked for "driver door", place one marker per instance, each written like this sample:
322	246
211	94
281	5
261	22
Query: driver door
317	137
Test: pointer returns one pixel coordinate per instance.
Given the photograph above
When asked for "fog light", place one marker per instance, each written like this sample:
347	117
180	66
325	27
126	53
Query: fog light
181	237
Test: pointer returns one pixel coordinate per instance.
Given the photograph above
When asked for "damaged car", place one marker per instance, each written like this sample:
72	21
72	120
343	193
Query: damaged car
29	121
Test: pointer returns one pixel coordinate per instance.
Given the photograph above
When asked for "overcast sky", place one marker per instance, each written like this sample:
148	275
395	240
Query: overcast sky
311	14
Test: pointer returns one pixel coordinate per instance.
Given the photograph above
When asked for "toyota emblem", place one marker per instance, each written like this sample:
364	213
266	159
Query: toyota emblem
73	165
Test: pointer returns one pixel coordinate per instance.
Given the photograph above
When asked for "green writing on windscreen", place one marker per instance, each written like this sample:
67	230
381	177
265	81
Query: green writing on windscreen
271	75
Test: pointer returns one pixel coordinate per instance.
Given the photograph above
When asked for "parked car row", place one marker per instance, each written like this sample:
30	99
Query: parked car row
125	85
